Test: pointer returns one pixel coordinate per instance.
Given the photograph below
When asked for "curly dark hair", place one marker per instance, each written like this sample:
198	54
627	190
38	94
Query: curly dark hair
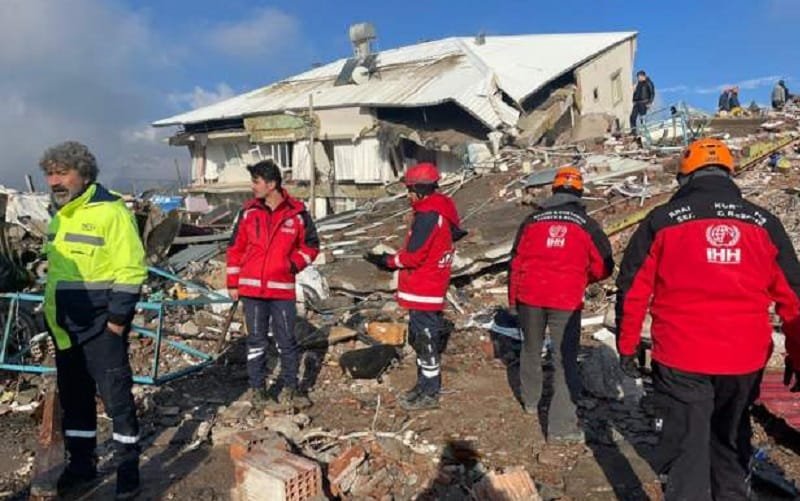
71	154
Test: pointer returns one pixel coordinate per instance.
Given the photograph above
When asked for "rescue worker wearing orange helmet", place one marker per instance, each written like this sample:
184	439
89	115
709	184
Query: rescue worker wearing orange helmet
558	250
424	264
708	265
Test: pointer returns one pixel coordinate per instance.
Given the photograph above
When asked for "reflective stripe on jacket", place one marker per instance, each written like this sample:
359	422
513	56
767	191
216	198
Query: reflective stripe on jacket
709	265
427	256
95	269
269	247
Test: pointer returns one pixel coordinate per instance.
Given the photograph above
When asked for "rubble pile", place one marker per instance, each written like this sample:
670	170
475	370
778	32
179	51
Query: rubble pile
356	442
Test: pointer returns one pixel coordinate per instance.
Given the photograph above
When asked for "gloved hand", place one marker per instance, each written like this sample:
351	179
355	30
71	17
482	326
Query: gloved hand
379	260
789	371
629	366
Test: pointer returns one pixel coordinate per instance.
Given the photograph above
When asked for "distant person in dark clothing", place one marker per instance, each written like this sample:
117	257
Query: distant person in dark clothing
724	104
734	98
780	95
729	100
643	96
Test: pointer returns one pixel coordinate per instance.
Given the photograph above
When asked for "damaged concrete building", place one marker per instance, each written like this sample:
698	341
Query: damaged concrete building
452	101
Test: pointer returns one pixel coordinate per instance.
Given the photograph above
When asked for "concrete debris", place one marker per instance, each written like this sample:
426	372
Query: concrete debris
356	436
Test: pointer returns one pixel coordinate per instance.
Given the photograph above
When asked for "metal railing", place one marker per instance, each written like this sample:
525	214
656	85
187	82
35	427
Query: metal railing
22	360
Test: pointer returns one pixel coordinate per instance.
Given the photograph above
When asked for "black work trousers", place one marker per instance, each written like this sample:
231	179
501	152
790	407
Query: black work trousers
565	334
639	110
271	322
98	365
705	439
425	330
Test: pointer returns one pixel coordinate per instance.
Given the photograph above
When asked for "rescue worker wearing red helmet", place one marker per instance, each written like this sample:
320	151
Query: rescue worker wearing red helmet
424	264
559	249
708	265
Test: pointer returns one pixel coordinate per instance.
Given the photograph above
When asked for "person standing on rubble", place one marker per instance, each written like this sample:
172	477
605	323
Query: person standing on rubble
780	95
708	265
273	239
424	265
643	96
557	252
95	272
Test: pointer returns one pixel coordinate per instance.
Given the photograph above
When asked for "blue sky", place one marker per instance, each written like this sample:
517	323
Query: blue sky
101	70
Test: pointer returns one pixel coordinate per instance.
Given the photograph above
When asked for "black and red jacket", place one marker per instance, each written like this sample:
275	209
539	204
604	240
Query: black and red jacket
268	247
709	265
557	252
427	256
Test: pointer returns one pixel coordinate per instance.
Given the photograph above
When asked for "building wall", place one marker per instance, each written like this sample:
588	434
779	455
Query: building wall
605	84
343	123
224	153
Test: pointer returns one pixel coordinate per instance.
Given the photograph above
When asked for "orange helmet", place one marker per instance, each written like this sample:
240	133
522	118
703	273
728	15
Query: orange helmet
706	153
568	177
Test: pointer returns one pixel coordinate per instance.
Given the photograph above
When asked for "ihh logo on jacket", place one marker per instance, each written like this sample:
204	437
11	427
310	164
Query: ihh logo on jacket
723	238
446	260
288	226
558	236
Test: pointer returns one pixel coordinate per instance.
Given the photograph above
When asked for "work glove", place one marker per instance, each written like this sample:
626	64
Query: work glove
379	260
788	371
629	366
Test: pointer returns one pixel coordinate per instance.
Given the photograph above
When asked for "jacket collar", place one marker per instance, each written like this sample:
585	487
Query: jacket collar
707	185
95	193
559	199
292	204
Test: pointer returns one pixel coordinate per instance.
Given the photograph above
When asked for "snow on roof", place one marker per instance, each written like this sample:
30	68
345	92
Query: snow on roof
452	69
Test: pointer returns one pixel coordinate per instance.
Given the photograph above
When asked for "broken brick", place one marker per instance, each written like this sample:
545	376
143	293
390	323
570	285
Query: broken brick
341	471
513	485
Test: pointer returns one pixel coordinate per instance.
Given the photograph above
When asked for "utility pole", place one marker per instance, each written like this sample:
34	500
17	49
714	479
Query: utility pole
312	176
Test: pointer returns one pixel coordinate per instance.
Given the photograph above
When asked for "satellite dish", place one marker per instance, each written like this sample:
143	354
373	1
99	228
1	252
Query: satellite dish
360	75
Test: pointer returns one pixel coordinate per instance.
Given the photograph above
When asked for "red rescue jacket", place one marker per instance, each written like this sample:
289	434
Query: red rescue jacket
557	252
708	265
269	247
427	255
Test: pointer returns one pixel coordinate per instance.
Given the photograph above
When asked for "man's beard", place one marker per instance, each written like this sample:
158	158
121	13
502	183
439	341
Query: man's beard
62	196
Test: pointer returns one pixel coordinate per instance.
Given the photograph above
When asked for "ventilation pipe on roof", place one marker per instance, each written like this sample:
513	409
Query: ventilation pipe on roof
362	35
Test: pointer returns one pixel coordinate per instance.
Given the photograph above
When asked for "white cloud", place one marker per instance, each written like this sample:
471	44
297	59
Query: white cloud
97	71
676	88
749	84
200	97
75	69
267	32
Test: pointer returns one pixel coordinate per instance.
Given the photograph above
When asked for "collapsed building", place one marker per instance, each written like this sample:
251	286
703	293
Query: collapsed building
366	118
194	410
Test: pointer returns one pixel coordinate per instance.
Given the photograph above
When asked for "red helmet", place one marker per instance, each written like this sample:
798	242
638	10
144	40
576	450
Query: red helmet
424	173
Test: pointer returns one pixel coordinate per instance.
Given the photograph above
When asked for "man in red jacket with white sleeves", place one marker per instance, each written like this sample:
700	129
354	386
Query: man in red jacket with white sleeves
273	239
424	265
708	265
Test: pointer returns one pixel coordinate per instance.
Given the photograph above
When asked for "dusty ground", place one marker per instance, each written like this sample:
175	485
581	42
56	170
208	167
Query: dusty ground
479	411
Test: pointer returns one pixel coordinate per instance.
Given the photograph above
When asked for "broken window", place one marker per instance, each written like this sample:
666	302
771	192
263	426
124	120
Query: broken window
232	154
616	87
281	153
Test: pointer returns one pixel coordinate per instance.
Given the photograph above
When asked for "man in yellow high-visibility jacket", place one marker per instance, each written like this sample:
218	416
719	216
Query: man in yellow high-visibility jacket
95	272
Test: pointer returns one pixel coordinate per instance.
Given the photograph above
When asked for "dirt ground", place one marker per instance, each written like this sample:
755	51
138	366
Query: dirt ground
478	412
